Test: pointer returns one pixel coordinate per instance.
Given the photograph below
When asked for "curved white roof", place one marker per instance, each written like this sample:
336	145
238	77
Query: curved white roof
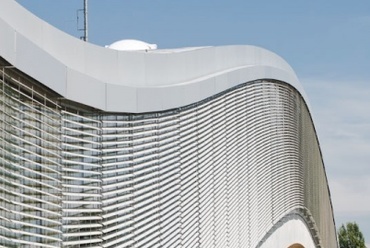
123	81
132	45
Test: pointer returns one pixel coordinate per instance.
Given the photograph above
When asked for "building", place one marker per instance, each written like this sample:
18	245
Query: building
197	147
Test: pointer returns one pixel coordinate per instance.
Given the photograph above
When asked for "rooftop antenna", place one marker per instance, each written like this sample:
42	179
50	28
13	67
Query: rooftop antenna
85	25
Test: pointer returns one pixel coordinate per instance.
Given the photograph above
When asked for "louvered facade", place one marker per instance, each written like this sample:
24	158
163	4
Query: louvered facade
217	173
190	148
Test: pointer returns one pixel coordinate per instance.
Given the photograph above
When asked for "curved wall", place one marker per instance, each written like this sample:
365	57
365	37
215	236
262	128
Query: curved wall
134	82
222	172
198	147
291	232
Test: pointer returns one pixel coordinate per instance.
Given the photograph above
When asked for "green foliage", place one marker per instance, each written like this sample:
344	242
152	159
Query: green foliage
350	236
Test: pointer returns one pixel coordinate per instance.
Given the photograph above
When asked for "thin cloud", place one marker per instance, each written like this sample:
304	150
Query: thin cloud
349	195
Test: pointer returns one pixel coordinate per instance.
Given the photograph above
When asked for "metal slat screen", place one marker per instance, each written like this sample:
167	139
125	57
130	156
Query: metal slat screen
219	173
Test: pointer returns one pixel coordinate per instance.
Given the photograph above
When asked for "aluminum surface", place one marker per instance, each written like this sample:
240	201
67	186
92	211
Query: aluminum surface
121	81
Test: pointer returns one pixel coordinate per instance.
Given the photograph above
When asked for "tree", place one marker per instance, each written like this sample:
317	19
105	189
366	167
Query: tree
350	236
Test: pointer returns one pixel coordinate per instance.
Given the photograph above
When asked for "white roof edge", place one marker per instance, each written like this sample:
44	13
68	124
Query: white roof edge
134	81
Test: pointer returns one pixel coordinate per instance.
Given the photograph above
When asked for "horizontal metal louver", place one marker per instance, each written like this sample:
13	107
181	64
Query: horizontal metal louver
218	173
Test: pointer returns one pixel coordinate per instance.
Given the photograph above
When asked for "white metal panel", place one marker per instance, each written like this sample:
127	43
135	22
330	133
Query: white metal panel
161	70
82	83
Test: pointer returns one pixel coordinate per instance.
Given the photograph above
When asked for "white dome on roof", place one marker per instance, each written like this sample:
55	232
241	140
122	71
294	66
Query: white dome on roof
131	45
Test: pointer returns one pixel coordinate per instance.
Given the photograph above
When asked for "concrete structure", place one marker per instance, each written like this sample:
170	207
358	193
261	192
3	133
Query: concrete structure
196	147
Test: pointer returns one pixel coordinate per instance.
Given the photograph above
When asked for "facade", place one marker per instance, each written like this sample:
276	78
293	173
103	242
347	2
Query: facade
197	147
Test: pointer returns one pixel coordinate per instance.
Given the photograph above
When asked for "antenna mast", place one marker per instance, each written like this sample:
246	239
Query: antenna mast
85	38
85	21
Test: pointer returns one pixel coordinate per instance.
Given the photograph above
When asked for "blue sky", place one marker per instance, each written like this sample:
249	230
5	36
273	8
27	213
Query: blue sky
326	42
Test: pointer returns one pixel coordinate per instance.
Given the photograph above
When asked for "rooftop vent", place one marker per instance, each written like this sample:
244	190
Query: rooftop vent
132	45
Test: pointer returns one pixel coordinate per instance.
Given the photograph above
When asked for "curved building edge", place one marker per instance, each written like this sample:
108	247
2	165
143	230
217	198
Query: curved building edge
129	81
